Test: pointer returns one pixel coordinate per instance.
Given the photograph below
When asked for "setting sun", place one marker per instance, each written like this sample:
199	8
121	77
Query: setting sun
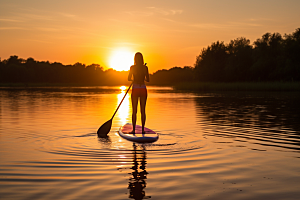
121	59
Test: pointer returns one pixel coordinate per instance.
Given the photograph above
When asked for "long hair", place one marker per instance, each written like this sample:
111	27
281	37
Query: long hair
138	59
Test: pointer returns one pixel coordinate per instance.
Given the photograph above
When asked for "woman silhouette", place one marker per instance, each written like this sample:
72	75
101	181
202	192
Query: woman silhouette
140	74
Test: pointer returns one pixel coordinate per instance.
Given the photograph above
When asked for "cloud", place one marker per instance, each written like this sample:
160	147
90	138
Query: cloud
150	11
135	24
10	20
165	11
260	19
71	17
140	13
11	28
245	24
225	25
33	40
28	14
207	26
48	29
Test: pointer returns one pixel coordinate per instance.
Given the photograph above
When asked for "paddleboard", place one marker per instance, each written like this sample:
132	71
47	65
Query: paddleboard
149	136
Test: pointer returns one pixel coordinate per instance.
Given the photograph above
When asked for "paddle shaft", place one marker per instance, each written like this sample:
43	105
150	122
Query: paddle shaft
121	101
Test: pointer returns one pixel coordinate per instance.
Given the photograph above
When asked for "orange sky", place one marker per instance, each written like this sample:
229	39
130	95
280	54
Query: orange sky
169	33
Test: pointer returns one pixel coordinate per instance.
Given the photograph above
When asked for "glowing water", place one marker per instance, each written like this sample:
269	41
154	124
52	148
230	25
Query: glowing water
211	146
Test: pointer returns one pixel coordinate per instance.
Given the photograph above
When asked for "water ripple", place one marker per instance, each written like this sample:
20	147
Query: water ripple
211	146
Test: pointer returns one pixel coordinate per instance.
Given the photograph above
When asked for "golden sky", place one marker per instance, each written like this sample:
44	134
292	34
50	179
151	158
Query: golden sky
169	33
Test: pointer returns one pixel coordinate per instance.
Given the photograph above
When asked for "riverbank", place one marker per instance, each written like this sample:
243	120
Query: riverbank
238	86
24	85
185	86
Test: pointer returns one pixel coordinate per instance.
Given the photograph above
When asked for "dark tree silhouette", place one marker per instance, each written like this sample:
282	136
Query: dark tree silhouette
270	58
211	62
172	76
291	69
239	60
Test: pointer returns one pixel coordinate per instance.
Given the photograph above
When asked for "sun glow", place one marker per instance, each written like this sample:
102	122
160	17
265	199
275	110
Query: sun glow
123	113
121	59
123	88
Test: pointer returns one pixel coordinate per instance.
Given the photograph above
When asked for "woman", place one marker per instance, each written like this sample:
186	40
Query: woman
140	74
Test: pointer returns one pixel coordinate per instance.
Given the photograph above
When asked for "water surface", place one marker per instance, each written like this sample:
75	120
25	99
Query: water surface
229	145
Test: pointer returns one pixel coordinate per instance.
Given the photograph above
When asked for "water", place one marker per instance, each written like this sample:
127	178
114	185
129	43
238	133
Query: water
211	145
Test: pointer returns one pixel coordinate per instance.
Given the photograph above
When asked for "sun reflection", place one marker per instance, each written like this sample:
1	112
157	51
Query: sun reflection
123	88
123	112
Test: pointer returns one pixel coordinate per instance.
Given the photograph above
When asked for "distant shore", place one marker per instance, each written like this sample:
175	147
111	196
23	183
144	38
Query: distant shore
184	86
24	85
238	86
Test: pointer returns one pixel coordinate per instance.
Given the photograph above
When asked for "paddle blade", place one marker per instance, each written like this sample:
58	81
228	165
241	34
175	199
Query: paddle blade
104	129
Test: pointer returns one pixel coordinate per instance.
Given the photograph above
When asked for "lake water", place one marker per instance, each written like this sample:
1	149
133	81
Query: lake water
230	145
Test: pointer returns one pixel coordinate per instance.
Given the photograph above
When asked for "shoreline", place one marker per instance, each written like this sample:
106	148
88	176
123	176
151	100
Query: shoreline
238	86
183	86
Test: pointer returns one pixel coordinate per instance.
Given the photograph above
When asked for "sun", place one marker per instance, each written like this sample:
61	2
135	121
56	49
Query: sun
121	59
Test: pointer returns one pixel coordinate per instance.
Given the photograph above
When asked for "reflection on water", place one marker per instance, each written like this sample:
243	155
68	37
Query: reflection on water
137	183
211	145
271	119
264	110
123	112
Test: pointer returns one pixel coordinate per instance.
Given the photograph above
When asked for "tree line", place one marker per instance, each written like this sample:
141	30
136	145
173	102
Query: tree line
272	57
25	71
18	70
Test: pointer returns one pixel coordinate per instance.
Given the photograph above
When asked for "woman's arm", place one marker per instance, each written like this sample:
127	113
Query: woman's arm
130	75
147	75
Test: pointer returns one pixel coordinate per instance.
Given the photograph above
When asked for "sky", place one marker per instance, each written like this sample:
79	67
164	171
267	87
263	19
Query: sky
169	33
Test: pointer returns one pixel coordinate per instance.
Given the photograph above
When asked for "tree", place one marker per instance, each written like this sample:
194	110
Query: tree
239	60
291	70
211	62
268	57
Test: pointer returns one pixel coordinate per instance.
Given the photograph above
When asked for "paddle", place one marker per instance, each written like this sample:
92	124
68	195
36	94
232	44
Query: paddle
105	128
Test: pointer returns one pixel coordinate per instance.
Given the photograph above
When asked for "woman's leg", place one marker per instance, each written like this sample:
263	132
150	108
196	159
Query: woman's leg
143	100
134	102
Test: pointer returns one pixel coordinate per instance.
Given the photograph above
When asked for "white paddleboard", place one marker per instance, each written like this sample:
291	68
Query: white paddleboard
148	136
